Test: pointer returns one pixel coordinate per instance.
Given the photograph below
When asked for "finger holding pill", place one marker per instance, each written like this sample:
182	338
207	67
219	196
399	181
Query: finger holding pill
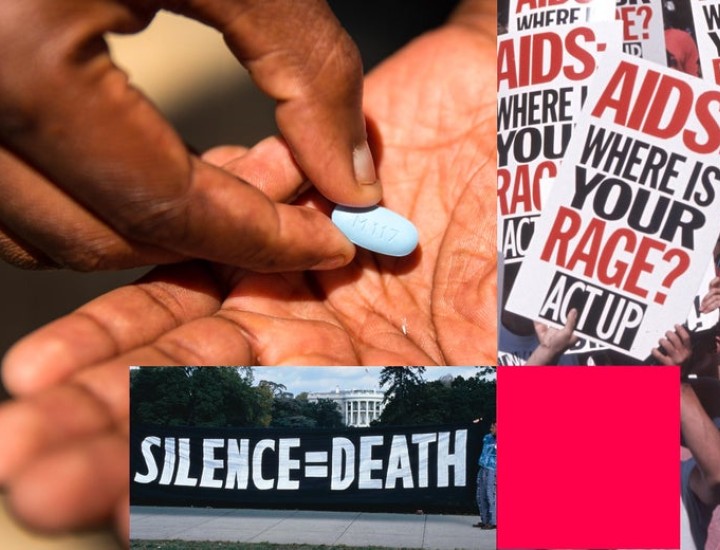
377	229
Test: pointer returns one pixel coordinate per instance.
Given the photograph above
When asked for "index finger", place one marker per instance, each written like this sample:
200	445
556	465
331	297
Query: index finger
71	113
683	335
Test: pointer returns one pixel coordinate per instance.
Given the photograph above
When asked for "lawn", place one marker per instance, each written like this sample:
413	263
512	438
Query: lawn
214	545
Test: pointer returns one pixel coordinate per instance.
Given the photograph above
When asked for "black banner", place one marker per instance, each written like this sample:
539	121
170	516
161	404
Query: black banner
429	467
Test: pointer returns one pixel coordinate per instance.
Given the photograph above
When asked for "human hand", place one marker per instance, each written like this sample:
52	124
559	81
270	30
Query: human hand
675	348
436	306
711	300
64	459
702	438
433	108
553	342
93	177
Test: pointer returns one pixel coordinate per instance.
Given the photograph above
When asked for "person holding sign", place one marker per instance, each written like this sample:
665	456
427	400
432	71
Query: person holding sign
695	352
700	475
700	422
553	342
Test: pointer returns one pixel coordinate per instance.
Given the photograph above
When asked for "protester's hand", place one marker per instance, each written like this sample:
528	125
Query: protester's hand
675	348
433	106
93	177
64	459
553	342
711	300
702	438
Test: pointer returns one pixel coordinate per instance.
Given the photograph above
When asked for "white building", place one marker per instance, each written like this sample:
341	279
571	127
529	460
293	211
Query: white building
358	407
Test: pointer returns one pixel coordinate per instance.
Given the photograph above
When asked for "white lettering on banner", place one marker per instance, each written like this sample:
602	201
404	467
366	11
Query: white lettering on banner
399	464
423	442
237	467
447	460
316	464
367	464
169	466
259	481
210	463
152	472
286	464
183	475
233	463
343	452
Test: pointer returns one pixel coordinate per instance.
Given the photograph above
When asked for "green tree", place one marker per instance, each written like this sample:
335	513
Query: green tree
400	380
160	395
263	406
288	412
325	412
442	401
474	398
401	396
222	397
275	388
298	412
198	396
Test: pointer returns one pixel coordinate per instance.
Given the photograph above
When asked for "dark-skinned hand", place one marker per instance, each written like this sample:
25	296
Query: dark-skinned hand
431	109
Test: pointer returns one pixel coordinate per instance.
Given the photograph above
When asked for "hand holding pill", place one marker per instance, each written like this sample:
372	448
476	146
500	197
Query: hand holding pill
100	179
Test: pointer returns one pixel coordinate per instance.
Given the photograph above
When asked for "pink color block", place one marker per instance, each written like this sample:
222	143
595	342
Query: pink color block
588	457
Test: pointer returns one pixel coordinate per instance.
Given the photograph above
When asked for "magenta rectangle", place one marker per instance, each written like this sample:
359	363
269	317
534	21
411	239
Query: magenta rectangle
588	457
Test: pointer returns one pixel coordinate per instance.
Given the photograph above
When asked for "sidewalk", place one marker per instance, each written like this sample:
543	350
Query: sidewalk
439	532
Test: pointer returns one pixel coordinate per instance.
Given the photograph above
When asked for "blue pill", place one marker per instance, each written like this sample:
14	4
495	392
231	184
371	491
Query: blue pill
376	228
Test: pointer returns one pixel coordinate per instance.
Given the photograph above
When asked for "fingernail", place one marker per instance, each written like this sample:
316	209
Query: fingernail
331	263
364	165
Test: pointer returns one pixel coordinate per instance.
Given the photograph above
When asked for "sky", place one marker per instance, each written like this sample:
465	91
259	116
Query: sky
321	379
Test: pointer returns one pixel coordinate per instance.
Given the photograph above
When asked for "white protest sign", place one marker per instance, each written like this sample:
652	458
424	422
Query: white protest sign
542	78
636	215
532	14
643	29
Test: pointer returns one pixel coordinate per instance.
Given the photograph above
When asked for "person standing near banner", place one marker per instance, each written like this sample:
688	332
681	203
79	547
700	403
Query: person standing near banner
486	480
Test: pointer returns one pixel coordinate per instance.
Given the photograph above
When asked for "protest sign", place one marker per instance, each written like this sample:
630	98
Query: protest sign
414	466
532	14
643	33
643	29
636	214
706	16
542	78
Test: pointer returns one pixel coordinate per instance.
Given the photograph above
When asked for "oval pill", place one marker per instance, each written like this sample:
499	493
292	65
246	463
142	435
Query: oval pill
377	229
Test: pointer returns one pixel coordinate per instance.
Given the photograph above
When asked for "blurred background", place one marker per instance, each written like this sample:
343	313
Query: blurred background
187	71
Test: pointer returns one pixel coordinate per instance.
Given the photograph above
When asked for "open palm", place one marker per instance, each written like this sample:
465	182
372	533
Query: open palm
433	112
431	108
